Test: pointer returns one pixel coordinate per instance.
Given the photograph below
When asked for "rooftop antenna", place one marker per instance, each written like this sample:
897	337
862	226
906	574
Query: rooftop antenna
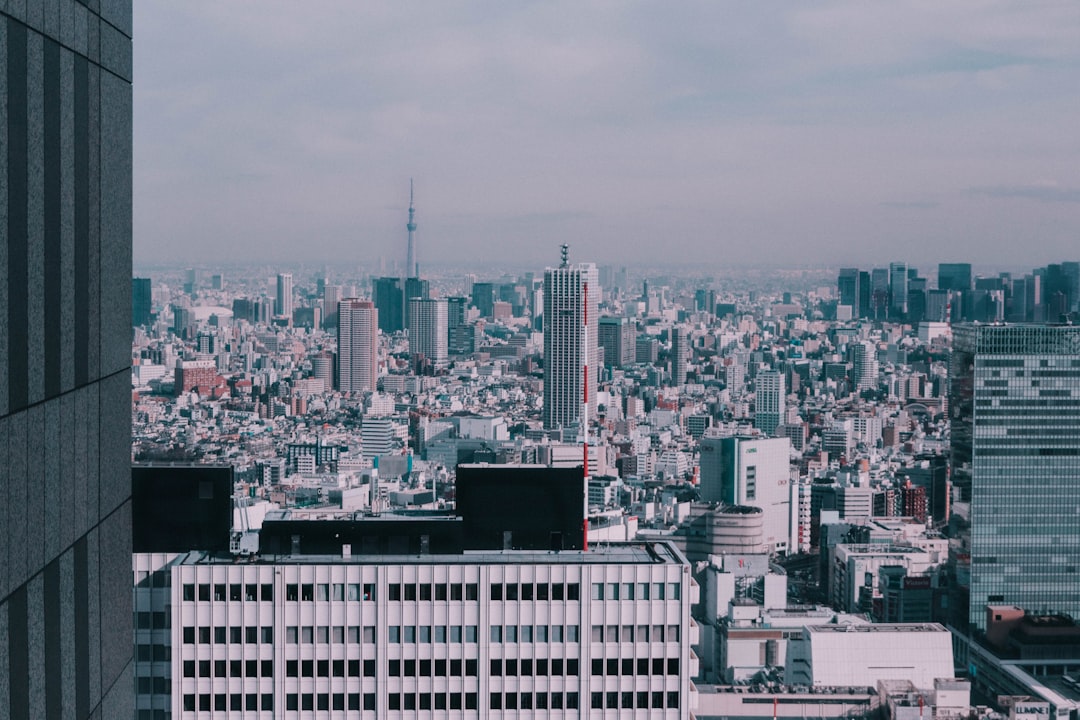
565	256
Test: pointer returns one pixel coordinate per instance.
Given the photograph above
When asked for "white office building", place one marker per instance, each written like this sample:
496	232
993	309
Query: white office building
570	297
358	346
768	401
850	655
428	334
474	635
754	472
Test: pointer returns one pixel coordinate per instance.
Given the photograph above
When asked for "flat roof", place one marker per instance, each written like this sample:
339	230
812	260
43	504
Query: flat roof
633	553
879	628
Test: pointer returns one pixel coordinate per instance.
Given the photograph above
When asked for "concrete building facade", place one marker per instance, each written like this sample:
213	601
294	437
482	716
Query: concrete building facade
65	359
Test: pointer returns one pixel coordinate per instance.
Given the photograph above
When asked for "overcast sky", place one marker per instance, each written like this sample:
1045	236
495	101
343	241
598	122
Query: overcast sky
639	132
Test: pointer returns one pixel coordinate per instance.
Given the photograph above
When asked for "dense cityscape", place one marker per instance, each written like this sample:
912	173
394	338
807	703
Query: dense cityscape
730	372
812	453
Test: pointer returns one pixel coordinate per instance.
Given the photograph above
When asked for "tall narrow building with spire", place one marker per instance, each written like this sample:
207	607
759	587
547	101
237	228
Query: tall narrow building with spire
570	341
412	269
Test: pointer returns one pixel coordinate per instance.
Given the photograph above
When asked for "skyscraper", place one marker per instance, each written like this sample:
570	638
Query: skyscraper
428	330
954	276
679	354
283	301
141	301
864	363
570	299
358	345
768	401
389	296
65	360
1015	405
898	290
847	286
617	335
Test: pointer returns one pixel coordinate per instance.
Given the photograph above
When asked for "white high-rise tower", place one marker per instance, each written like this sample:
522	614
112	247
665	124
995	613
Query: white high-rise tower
571	358
358	344
283	303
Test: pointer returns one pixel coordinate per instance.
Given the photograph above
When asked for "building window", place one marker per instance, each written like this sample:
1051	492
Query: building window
496	634
496	592
598	591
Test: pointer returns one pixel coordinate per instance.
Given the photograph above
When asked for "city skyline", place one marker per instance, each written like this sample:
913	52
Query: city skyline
838	134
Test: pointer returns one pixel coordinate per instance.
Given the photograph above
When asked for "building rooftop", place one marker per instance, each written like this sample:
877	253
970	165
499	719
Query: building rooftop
878	628
637	553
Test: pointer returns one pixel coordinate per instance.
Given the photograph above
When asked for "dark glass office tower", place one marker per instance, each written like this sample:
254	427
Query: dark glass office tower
65	341
1015	407
141	301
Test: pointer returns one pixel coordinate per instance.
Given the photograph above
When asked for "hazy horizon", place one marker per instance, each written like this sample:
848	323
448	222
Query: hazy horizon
830	134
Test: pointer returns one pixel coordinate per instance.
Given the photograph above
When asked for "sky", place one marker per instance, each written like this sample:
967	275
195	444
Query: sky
708	133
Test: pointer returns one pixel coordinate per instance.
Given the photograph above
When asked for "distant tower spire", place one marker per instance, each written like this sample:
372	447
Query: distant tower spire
411	268
565	256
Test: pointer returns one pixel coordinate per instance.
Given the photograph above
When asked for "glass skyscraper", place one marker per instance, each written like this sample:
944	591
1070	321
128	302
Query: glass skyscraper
1015	408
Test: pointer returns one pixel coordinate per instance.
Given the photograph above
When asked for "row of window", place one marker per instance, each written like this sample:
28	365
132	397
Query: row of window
636	591
632	633
152	621
222	702
324	634
534	701
225	635
627	666
539	667
535	591
229	668
629	699
309	592
436	701
534	633
432	633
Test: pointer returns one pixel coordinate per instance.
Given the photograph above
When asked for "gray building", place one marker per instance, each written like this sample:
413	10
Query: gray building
65	332
1015	406
617	335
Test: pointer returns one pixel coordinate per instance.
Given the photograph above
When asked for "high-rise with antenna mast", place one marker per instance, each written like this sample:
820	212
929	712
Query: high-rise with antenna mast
570	342
411	268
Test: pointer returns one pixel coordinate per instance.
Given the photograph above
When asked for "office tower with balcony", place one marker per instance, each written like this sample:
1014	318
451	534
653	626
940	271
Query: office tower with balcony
283	301
358	346
65	360
571	293
680	353
428	334
864	366
1014	405
769	406
415	288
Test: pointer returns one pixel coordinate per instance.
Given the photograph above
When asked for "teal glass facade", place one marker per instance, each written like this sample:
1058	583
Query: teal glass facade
1015	408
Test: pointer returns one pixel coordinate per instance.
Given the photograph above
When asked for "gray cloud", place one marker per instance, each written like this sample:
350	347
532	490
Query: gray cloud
638	132
1041	193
